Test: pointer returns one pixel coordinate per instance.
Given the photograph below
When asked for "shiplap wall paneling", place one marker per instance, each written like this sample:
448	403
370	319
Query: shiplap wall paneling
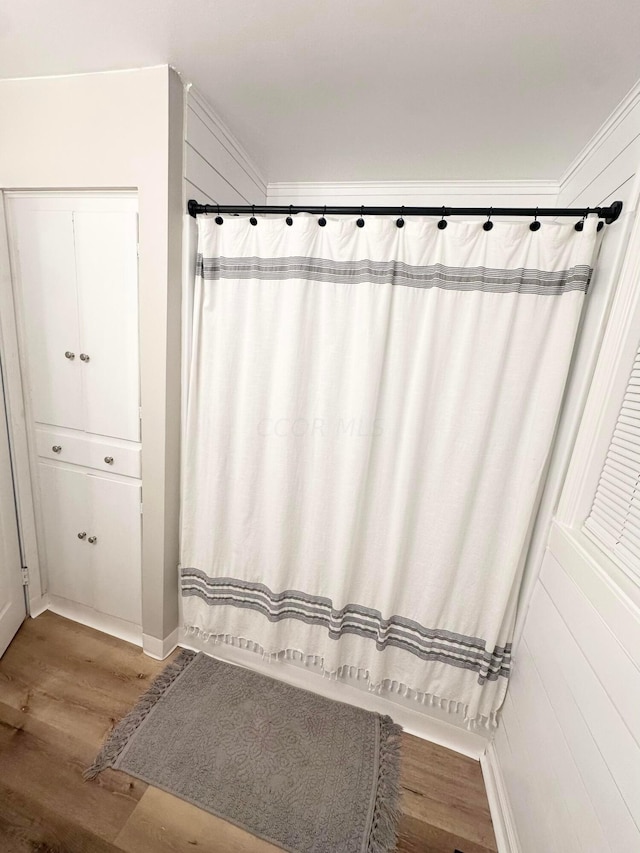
217	169
605	800
418	193
607	169
563	634
569	824
569	744
570	725
602	171
617	671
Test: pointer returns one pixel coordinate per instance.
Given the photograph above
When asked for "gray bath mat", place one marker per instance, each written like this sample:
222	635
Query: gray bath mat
301	771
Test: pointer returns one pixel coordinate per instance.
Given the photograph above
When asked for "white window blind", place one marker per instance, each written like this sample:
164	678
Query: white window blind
615	514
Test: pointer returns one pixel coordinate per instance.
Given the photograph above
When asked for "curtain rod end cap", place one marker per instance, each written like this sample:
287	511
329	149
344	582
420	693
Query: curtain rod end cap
615	209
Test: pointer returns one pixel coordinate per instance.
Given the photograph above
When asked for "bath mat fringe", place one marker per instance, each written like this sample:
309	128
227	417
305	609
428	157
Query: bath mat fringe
119	736
382	837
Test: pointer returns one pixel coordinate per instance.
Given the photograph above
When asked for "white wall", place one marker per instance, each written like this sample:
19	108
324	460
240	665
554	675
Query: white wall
112	131
567	754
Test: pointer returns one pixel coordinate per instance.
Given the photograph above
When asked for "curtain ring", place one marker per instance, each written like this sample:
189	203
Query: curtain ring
400	219
443	222
253	219
323	219
535	225
360	222
579	226
488	225
219	219
289	219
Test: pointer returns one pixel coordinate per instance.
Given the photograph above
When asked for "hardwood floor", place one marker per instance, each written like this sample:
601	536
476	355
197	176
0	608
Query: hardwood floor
63	685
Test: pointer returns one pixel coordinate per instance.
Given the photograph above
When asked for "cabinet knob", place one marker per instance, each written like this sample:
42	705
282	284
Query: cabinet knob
56	448
92	539
84	356
70	355
108	460
82	535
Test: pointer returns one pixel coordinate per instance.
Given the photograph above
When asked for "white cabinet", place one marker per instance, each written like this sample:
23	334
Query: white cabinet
75	273
92	539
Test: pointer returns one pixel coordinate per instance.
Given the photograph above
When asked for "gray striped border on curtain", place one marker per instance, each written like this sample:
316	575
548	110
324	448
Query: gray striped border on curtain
398	273
426	643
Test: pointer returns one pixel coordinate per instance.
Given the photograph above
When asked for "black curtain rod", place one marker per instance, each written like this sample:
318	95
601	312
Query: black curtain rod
609	214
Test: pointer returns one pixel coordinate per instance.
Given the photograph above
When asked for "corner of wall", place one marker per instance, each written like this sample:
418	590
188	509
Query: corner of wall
598	148
502	818
175	209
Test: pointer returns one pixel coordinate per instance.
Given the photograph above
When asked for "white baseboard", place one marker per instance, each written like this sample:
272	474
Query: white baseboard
416	721
499	804
160	649
38	605
152	646
94	619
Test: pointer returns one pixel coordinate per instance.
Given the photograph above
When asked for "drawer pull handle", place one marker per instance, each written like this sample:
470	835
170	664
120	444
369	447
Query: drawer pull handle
56	448
84	356
82	535
70	355
108	460
92	539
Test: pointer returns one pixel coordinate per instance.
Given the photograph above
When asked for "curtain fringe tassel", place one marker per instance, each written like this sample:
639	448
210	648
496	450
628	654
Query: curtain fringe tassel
381	688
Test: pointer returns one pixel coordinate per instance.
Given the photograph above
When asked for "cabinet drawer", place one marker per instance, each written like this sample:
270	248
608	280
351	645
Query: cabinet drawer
88	450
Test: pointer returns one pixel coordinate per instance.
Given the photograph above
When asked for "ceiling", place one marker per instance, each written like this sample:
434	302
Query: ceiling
363	90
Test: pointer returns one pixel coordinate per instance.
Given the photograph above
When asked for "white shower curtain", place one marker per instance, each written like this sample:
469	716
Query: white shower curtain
370	415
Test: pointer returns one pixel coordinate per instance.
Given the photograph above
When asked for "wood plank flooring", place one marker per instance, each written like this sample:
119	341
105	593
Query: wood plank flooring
62	686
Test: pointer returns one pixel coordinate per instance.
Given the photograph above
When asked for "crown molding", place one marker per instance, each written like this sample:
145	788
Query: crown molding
226	136
514	193
112	71
600	137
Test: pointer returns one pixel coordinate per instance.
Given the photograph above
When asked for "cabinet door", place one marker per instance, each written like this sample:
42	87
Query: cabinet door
46	277
116	553
65	513
107	269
